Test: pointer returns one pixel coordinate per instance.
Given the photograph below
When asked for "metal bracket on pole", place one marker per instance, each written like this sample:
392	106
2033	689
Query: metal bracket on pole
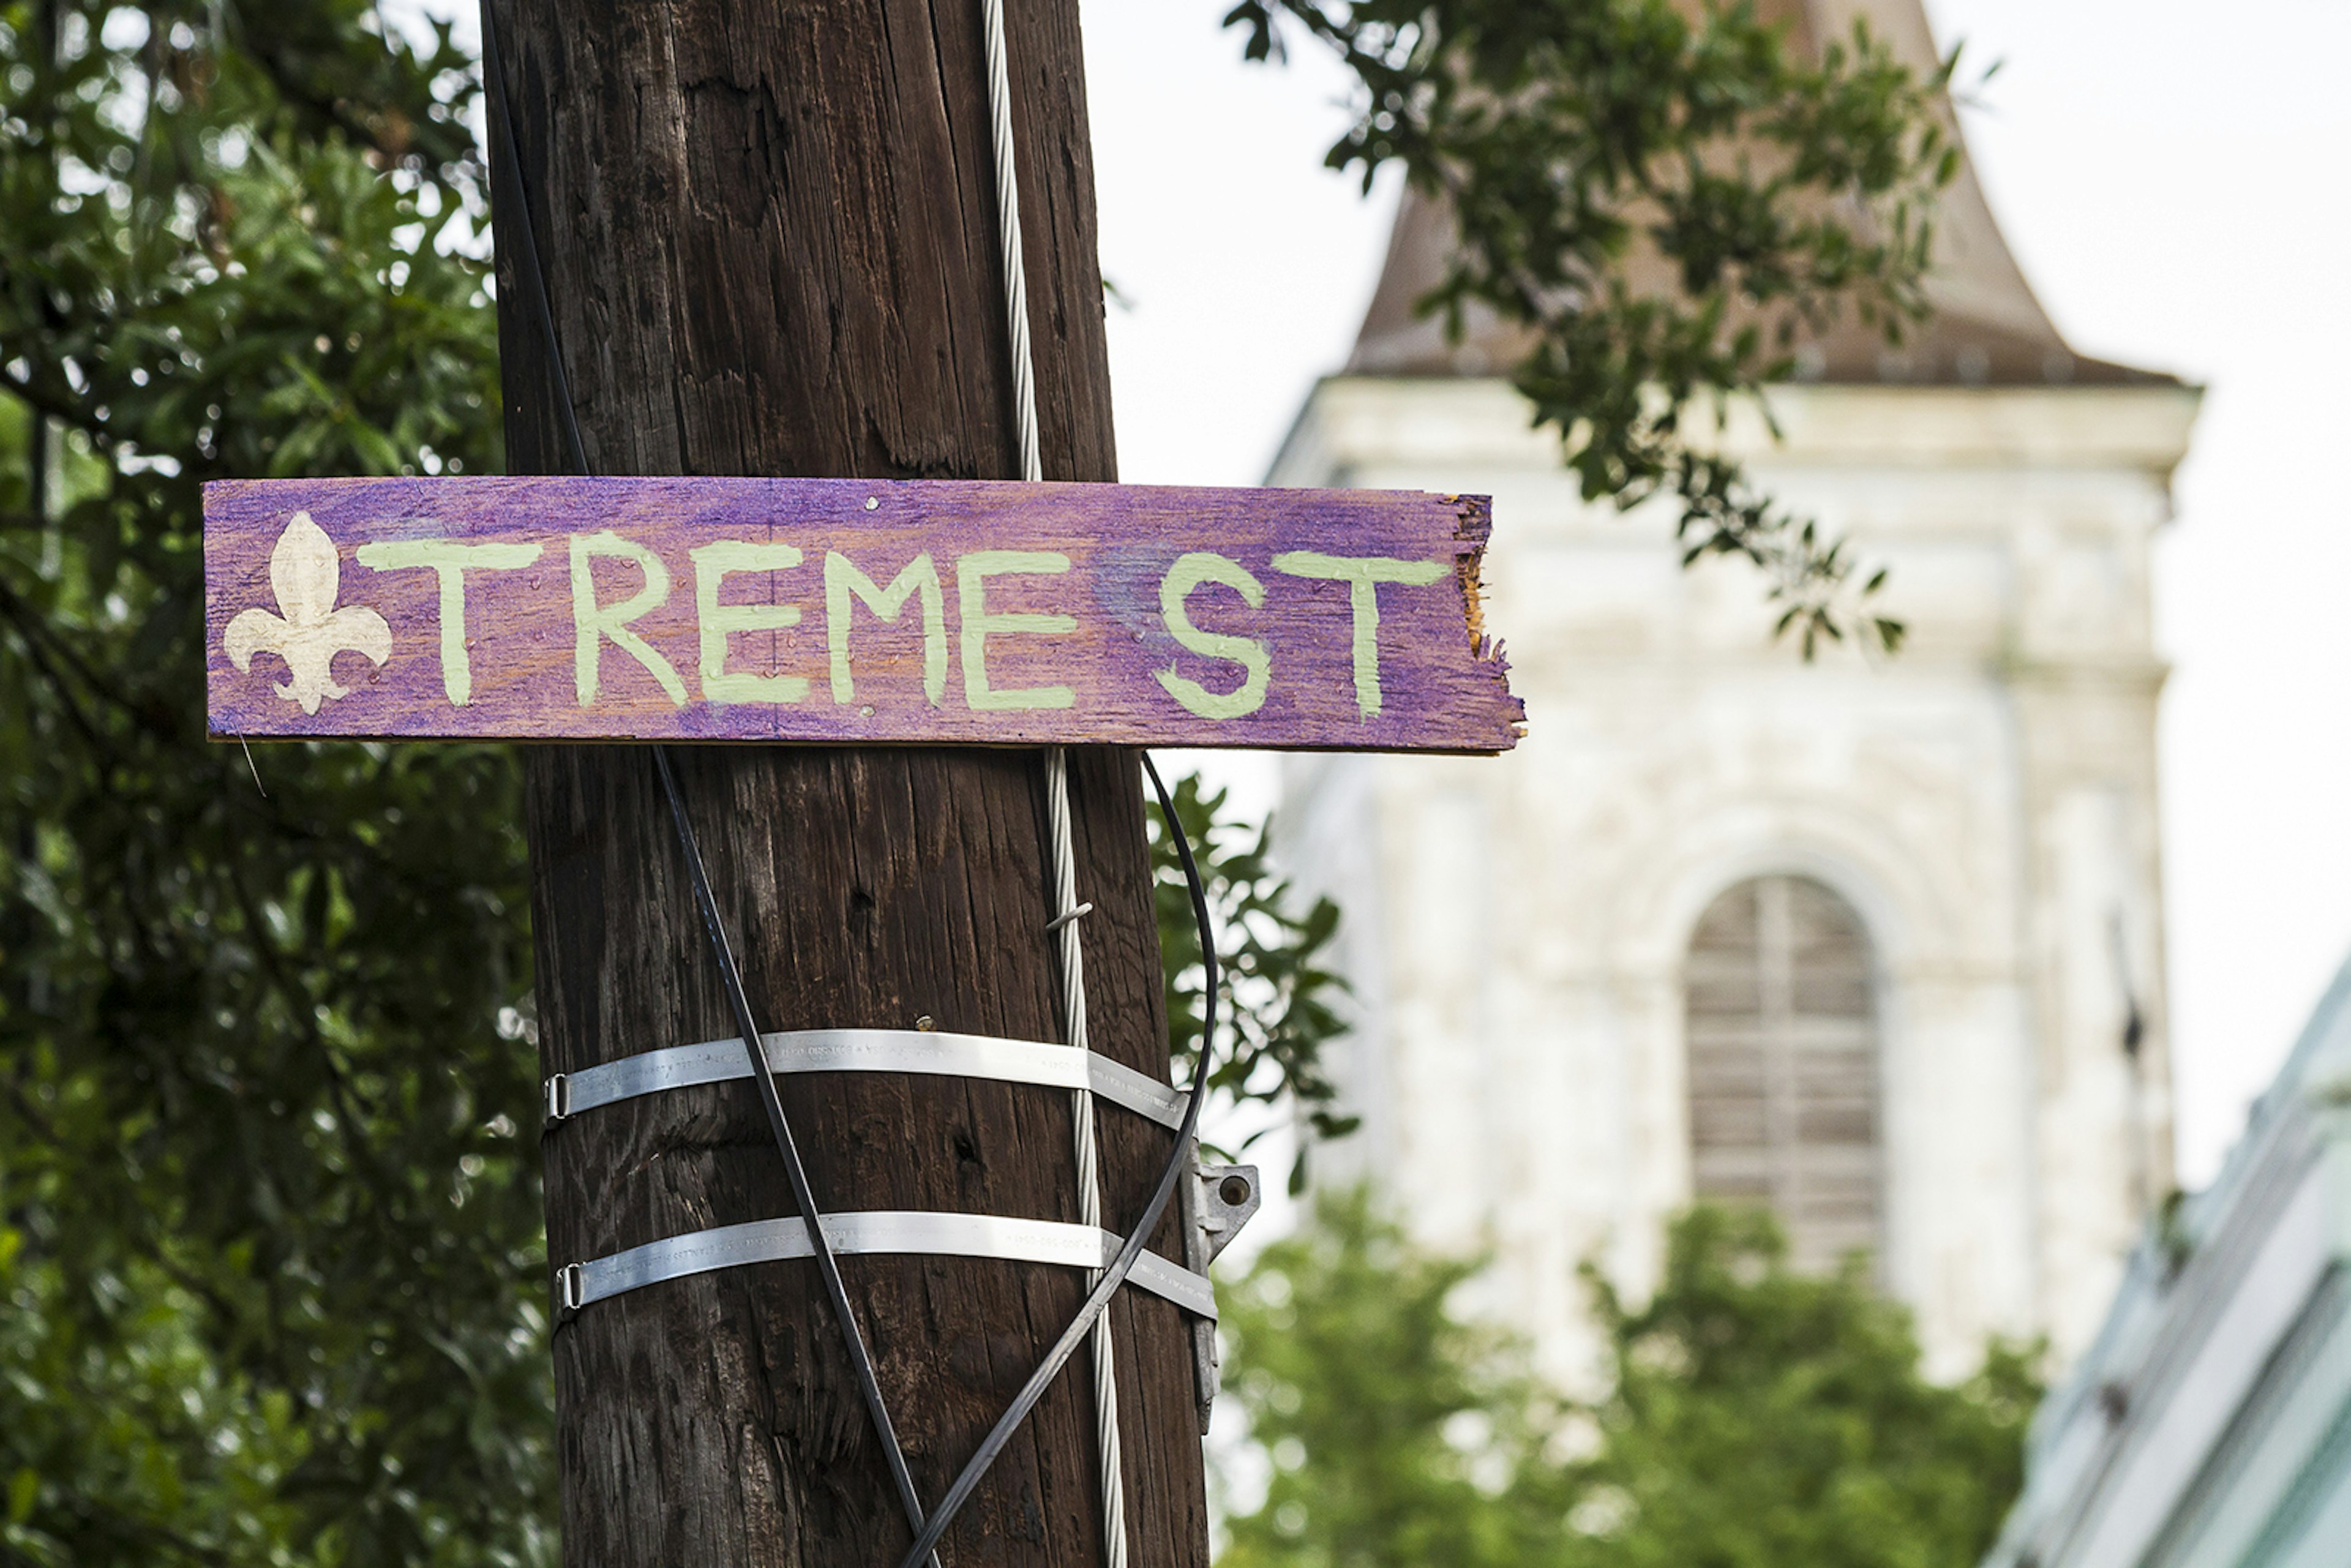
863	1050
866	1232
1218	1201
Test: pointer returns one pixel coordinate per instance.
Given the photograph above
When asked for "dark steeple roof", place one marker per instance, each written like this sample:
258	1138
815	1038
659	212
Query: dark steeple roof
1987	327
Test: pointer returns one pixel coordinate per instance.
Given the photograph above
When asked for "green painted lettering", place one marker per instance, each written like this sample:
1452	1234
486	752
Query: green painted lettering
843	578
712	563
450	560
1362	575
1189	572
595	624
972	572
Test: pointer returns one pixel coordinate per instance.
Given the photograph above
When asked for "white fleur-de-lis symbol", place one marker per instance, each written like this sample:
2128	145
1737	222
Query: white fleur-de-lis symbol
306	574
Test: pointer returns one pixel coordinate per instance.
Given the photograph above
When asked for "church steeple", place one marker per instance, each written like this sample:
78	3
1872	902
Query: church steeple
1987	327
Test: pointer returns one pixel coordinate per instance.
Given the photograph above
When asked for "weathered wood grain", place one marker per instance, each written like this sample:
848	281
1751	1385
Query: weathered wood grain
828	609
769	234
713	1419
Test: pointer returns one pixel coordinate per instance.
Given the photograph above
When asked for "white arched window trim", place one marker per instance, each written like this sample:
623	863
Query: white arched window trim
1784	1064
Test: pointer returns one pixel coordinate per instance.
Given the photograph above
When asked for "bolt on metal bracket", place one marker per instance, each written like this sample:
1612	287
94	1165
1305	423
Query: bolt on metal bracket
1218	1201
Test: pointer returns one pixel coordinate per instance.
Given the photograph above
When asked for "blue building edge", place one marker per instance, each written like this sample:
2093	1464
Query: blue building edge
2209	1424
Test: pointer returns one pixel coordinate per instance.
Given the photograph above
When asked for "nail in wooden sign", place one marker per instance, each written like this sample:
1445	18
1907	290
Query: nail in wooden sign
849	612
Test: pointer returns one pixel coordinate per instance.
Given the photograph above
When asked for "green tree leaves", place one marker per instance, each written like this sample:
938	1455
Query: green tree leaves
130	1442
1656	199
1279	1007
1398	1434
1764	1417
273	1227
1754	1419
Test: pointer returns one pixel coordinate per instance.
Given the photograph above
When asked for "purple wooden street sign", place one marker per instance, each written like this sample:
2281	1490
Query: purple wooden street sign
850	611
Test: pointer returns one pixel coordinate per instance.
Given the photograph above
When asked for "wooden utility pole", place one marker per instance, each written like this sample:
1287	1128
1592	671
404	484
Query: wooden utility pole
768	237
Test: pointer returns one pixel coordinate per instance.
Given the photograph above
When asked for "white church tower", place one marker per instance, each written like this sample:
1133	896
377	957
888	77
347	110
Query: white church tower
1877	941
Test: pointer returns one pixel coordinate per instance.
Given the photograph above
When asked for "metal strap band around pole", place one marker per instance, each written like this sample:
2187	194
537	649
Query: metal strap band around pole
868	1231
940	1053
1131	1252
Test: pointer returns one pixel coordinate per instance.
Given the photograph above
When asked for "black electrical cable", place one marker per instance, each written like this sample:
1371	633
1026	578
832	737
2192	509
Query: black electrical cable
534	282
1114	1277
827	1264
527	265
928	1530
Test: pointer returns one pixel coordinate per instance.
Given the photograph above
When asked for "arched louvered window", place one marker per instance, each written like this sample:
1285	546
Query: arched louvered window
1784	1090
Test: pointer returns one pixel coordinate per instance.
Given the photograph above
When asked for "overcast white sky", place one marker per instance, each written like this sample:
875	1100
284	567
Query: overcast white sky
2173	179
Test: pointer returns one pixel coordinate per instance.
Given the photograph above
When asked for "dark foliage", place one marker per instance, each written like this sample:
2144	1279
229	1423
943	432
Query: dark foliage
272	1245
1754	1417
1662	195
1279	1007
